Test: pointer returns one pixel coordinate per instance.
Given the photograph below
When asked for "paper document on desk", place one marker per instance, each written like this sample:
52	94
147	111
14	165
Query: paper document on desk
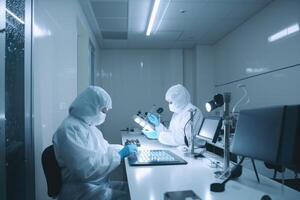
180	195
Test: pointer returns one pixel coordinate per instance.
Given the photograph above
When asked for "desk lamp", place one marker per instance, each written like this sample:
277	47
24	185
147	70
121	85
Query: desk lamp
218	101
225	99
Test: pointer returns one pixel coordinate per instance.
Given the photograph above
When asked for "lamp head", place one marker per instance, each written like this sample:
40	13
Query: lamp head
217	101
209	106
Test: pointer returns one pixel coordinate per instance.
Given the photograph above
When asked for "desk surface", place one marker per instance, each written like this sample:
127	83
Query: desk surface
151	182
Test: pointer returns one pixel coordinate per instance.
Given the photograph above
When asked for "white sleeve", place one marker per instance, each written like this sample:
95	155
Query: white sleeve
167	138
198	118
116	147
160	128
174	136
81	158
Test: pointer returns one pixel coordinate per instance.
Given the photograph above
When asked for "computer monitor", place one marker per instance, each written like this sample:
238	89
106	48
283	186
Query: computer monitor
289	154
258	133
210	129
269	134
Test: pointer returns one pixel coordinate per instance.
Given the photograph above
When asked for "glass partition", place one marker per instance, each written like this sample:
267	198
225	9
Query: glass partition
16	156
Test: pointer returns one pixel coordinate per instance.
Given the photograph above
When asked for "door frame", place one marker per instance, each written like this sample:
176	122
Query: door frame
29	148
2	101
28	101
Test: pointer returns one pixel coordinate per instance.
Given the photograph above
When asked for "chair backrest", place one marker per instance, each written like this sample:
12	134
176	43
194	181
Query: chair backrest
51	171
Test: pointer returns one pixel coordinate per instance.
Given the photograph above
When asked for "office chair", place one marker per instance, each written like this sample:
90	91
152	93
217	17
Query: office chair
277	168
51	171
292	183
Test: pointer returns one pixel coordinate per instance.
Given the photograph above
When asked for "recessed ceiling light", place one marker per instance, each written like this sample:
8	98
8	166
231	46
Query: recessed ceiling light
284	32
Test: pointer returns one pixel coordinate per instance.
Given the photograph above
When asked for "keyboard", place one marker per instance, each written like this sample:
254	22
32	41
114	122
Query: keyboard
155	157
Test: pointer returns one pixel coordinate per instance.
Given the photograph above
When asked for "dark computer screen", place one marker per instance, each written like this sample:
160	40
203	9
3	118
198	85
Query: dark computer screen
289	154
258	133
210	129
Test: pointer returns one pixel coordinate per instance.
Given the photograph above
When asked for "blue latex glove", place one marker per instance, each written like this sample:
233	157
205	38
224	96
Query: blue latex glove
128	150
153	135
153	119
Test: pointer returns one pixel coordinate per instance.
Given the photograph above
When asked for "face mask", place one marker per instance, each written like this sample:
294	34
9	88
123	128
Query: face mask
100	118
173	108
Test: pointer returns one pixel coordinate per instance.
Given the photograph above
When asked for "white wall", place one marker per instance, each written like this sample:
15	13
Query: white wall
189	72
54	72
85	45
83	58
205	61
136	79
198	74
246	52
246	57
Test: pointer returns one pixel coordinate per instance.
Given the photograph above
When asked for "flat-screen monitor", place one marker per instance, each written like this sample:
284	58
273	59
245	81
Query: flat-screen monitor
269	134
257	133
289	154
210	129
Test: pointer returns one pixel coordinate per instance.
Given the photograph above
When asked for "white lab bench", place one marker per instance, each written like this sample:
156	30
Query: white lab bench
151	182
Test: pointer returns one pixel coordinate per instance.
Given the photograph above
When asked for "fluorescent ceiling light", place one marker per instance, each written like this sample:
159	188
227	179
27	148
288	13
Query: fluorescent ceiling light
283	33
163	15
152	17
15	16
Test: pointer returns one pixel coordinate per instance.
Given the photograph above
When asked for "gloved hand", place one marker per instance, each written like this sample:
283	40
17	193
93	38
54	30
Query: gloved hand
128	150
153	119
153	135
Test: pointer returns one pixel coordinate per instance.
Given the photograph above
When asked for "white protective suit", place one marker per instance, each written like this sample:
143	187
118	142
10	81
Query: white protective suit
181	106
84	156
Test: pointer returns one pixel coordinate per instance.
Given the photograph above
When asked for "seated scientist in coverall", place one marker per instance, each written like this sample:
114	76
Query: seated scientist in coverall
179	101
84	156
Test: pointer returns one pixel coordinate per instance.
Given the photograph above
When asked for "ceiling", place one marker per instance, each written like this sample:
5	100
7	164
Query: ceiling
179	23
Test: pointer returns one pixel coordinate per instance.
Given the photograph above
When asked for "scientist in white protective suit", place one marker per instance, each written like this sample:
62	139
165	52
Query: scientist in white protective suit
179	131
84	156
